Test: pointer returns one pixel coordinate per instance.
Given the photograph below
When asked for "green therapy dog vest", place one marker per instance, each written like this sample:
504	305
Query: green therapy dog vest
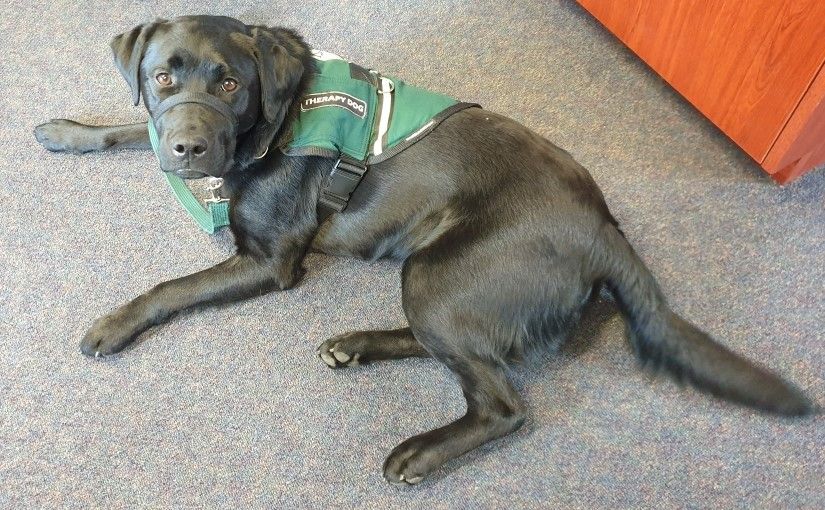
358	113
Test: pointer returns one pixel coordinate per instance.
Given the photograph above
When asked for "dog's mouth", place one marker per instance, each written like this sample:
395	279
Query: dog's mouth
185	170
187	173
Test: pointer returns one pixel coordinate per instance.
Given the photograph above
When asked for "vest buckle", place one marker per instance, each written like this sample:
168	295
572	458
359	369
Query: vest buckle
345	176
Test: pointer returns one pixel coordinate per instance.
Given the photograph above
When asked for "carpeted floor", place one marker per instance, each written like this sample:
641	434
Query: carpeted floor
231	408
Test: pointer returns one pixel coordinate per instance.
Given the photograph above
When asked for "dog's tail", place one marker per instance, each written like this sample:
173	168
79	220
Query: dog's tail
662	338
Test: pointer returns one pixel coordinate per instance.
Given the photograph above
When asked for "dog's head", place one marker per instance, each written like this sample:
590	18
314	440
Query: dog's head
218	90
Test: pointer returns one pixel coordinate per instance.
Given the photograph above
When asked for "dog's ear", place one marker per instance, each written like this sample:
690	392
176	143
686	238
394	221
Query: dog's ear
285	66
128	49
279	53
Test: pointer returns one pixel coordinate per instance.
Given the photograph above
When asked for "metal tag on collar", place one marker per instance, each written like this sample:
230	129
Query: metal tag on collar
213	185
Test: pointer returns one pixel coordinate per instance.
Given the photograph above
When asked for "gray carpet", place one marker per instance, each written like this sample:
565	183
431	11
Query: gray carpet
230	407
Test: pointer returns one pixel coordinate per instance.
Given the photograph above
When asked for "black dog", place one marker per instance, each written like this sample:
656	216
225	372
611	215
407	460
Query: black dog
502	234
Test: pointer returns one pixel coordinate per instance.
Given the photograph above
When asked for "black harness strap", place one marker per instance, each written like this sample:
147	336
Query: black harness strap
345	176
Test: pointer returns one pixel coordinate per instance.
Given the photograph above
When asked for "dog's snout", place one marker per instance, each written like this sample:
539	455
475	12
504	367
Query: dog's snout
184	147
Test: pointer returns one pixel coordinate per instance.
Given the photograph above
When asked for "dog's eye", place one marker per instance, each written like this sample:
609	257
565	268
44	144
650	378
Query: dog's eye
164	79
229	85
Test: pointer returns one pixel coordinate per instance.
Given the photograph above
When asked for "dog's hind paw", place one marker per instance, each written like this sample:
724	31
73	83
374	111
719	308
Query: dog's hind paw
410	462
340	351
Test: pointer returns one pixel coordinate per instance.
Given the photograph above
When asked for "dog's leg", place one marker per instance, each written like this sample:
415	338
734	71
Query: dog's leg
67	135
351	349
237	278
494	409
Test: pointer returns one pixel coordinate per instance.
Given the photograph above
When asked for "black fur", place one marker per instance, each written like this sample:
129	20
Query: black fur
503	236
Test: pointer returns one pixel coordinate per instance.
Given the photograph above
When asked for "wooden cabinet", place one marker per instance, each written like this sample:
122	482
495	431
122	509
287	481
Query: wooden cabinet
755	68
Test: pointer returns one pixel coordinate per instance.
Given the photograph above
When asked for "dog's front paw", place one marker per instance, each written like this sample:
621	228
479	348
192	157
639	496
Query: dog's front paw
342	350
108	335
62	135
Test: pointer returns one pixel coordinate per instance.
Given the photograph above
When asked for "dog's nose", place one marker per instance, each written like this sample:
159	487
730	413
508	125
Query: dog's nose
186	147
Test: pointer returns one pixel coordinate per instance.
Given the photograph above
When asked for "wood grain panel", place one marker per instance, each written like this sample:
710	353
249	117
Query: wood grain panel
801	145
745	64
